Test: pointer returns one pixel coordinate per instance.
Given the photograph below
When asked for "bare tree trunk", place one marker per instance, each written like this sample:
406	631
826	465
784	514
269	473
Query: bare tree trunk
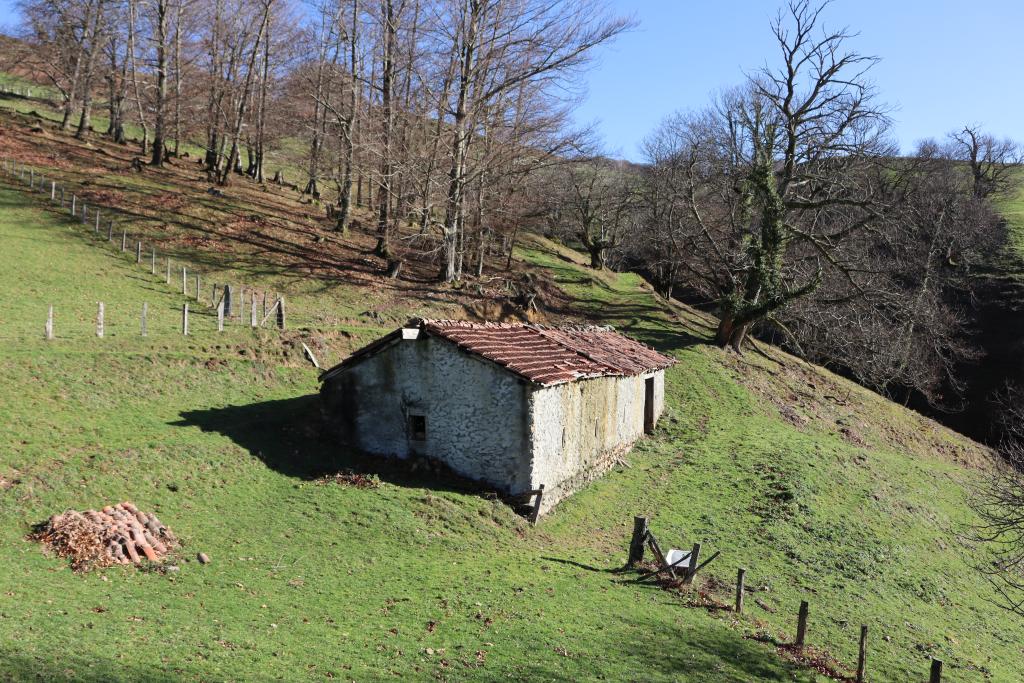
161	82
177	78
387	123
117	80
135	75
261	119
348	130
454	211
85	121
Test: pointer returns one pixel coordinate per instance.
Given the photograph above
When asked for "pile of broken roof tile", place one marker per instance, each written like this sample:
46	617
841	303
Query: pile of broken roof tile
117	534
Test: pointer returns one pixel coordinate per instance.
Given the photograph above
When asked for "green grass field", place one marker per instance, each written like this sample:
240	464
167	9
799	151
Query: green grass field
418	579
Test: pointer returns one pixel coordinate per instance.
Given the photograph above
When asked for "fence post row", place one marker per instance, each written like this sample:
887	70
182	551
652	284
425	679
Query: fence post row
741	576
226	307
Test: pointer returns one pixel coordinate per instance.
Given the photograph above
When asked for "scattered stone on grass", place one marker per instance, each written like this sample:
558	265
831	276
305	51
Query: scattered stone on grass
118	534
349	478
203	558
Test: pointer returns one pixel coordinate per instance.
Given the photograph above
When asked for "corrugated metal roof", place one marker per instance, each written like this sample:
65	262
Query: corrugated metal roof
543	355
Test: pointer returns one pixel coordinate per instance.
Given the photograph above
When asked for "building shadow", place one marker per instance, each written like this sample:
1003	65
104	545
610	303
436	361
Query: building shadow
290	437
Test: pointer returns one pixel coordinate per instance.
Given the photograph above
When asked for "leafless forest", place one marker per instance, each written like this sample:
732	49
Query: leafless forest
784	204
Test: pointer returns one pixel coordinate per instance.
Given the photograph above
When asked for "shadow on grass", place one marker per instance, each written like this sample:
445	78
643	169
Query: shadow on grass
681	653
288	436
71	666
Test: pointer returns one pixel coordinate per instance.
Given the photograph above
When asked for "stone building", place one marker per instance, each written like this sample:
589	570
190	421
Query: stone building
511	405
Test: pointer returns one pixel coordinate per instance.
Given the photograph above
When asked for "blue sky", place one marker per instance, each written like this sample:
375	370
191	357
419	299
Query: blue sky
944	62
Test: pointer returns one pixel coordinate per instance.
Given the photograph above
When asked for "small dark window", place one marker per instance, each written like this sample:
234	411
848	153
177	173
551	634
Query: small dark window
418	427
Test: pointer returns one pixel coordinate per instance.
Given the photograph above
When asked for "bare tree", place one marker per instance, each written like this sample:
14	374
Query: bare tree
993	163
595	202
501	44
999	503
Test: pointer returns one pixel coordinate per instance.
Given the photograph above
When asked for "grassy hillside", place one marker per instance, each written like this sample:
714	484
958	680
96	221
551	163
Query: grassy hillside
821	489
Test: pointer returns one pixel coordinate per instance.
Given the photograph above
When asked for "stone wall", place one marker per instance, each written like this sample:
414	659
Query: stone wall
475	412
578	430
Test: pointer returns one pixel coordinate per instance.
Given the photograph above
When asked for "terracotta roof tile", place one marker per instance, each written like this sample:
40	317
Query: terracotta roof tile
551	355
543	355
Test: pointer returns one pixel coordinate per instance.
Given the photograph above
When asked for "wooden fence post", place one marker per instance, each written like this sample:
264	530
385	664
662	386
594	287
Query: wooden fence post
62	197
110	231
801	624
741	576
936	674
197	286
692	570
97	228
184	281
184	319
636	543
99	321
85	213
228	292
220	315
280	313
138	252
49	323
264	306
252	315
124	240
74	205
152	265
862	655
535	513
145	310
213	294
53	190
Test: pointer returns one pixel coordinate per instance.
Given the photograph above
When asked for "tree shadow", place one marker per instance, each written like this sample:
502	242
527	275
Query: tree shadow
289	437
678	652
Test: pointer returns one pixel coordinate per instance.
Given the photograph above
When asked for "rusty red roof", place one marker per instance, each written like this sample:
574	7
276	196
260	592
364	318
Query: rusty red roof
544	355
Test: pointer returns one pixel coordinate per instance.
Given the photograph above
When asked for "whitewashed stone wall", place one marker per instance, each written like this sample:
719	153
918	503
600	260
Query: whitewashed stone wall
475	412
577	430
